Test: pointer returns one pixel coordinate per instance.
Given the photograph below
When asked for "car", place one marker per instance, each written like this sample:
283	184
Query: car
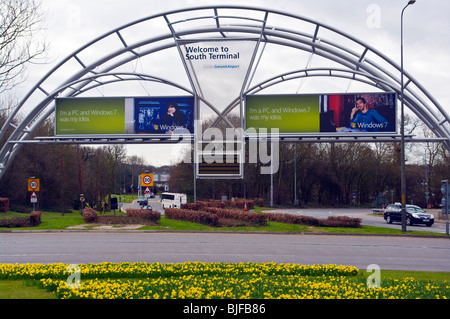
414	215
140	199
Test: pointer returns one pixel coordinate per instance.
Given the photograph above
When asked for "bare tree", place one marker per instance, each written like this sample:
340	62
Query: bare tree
21	23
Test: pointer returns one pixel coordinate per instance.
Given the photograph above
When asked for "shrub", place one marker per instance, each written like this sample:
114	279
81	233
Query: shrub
90	215
294	219
249	217
146	214
341	221
35	218
15	222
193	216
332	221
237	203
199	205
4	204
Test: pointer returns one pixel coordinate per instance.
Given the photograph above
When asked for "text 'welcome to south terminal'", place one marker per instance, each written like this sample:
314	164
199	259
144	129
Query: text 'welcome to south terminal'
210	53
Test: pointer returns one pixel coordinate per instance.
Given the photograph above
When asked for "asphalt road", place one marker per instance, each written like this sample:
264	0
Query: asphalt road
399	253
368	218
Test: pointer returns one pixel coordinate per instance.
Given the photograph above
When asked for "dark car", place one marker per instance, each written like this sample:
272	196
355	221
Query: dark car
414	215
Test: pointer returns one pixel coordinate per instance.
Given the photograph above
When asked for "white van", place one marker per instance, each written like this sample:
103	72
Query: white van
173	200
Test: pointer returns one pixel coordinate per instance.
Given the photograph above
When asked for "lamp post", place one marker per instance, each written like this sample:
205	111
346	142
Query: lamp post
402	129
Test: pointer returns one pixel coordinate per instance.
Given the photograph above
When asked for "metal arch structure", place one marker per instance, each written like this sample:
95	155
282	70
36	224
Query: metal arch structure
99	62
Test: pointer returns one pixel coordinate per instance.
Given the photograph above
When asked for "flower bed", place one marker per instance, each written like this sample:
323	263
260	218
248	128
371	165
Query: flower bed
197	280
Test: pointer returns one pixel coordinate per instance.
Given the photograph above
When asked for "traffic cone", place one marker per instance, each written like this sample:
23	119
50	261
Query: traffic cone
245	206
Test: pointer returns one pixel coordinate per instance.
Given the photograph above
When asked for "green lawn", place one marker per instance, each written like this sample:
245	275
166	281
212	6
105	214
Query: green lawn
56	221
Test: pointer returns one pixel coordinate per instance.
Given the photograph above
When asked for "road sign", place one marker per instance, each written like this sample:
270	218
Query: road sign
146	180
33	184
33	198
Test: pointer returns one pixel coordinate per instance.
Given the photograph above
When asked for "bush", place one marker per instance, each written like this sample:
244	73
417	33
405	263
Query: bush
193	216
237	203
90	215
15	222
254	218
332	221
35	218
294	219
341	221
4	204
146	214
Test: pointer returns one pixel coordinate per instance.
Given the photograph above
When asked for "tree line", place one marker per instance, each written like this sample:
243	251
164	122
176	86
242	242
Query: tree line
66	171
331	174
328	174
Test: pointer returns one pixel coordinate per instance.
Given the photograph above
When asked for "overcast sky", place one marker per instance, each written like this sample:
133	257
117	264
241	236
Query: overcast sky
72	24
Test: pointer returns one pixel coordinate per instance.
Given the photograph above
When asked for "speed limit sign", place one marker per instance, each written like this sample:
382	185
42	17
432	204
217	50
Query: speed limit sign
146	180
33	185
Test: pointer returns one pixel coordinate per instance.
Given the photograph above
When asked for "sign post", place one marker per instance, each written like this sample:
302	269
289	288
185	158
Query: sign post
146	183
445	202
33	186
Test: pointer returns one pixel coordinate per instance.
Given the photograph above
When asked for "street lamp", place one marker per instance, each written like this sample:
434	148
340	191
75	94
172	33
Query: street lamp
402	129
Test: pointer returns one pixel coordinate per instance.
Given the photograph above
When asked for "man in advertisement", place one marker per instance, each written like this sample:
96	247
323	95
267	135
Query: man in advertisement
164	115
365	118
173	119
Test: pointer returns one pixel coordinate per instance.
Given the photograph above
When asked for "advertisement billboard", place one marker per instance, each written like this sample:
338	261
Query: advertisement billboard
164	115
143	115
79	116
323	113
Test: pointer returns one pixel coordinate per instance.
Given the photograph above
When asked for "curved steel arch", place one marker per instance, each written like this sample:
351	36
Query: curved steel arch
192	25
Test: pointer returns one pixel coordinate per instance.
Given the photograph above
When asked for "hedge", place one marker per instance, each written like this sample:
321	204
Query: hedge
239	203
146	214
332	221
250	217
193	216
31	221
134	216
35	218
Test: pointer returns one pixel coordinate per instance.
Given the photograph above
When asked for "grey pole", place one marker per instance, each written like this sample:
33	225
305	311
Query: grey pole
403	179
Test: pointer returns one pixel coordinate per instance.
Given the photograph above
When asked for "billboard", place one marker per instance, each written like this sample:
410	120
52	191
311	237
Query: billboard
322	113
79	116
144	115
164	115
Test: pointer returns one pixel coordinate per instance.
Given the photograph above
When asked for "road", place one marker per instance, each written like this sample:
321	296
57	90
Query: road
397	253
364	213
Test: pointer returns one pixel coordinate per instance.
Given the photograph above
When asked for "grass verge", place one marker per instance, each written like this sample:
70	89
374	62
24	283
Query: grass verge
56	221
